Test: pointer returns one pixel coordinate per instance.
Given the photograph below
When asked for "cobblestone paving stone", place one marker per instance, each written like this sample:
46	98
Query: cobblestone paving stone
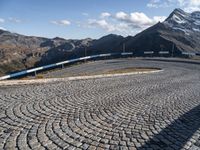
150	111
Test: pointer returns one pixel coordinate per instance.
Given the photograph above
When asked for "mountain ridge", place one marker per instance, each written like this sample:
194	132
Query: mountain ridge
180	30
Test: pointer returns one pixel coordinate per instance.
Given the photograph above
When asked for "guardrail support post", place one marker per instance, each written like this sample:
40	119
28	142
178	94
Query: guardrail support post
85	53
173	46
35	73
62	66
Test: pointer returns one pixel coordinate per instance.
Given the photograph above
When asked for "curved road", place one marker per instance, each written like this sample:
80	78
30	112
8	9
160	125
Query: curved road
149	111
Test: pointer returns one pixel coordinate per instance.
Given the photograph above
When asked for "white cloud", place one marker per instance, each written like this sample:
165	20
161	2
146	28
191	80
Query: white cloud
138	19
61	22
121	15
14	20
105	14
159	18
160	3
187	5
121	28
190	5
117	28
124	23
102	24
2	20
2	28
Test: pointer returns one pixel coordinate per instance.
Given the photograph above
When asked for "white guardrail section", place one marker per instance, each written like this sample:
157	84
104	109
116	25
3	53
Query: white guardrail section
127	53
148	52
34	70
188	53
164	52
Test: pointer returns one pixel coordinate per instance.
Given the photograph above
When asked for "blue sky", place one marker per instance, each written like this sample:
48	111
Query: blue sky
79	19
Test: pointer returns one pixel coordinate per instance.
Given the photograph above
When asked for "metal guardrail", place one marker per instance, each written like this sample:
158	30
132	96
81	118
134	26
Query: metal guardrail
167	52
128	53
163	52
190	54
148	52
34	70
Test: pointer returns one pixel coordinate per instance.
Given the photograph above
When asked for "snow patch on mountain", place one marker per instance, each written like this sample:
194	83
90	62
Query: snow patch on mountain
186	22
177	19
197	30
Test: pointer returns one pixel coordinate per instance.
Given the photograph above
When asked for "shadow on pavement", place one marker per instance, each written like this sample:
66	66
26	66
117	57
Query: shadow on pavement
177	134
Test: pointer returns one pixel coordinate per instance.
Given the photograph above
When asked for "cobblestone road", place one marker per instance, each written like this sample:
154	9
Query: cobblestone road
151	111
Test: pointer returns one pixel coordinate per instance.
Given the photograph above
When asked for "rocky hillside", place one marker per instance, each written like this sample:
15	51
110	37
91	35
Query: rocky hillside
180	30
18	52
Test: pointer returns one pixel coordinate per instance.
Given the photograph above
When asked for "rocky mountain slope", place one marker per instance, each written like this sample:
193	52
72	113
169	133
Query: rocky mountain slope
180	30
18	52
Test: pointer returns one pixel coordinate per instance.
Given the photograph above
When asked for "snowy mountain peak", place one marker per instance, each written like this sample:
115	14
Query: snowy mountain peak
183	21
177	16
179	11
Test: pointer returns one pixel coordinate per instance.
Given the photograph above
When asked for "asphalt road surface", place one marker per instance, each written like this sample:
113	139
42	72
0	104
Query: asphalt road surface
148	111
